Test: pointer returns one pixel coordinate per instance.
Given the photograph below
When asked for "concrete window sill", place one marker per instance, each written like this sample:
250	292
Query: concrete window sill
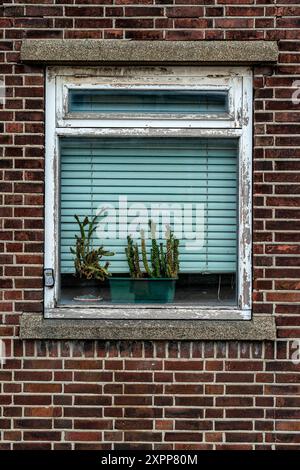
95	51
35	326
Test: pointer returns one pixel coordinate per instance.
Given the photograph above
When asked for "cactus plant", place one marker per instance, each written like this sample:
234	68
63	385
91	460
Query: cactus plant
144	254
87	259
164	261
132	254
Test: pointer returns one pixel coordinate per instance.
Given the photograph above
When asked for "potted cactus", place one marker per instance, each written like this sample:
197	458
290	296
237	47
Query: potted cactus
89	271
155	281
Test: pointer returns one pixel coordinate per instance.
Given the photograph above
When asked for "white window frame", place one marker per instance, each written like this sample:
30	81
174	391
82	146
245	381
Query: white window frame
236	123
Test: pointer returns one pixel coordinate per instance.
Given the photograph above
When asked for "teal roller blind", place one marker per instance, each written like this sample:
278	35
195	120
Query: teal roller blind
147	101
149	171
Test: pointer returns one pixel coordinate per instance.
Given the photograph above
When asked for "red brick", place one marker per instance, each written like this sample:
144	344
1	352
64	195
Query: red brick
143	413
42	436
184	365
92	400
143	11
143	365
132	377
84	11
43	411
91	23
81	364
93	424
83	436
187	23
83	412
184	436
185	12
193	413
182	35
133	424
33	423
244	11
32	400
42	388
145	35
233	23
93	376
134	23
244	437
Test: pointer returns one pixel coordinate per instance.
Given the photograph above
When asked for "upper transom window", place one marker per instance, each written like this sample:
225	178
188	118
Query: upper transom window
142	101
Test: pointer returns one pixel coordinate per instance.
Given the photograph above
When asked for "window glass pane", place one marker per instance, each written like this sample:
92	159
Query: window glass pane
190	183
147	101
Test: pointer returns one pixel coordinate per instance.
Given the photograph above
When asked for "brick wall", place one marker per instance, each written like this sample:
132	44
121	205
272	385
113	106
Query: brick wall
223	395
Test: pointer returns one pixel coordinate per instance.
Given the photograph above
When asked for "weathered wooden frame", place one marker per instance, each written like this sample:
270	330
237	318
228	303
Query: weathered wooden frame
237	123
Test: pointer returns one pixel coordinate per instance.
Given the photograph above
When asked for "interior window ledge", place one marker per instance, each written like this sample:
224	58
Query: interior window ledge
153	312
35	326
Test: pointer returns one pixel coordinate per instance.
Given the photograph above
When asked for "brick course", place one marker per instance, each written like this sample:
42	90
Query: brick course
151	395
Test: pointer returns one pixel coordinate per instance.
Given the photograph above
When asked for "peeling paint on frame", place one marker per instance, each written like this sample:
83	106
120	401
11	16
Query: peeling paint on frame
197	78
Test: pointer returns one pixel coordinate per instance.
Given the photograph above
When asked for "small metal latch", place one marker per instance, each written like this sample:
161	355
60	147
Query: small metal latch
49	277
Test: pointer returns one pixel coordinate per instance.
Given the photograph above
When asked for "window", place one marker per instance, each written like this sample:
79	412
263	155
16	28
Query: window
141	101
155	154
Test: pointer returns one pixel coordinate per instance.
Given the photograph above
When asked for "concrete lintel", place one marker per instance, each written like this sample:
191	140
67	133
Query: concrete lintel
94	51
261	327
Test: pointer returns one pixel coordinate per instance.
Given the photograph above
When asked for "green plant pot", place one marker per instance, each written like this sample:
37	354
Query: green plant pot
87	291
153	290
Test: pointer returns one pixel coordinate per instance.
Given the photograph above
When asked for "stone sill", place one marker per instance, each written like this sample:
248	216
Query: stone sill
94	51
35	326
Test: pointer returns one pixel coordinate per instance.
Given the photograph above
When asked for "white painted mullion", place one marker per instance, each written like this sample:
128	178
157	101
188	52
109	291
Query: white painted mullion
148	132
51	179
245	201
146	123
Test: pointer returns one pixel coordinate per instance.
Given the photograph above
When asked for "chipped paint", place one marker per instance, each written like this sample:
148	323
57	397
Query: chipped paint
128	312
146	77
